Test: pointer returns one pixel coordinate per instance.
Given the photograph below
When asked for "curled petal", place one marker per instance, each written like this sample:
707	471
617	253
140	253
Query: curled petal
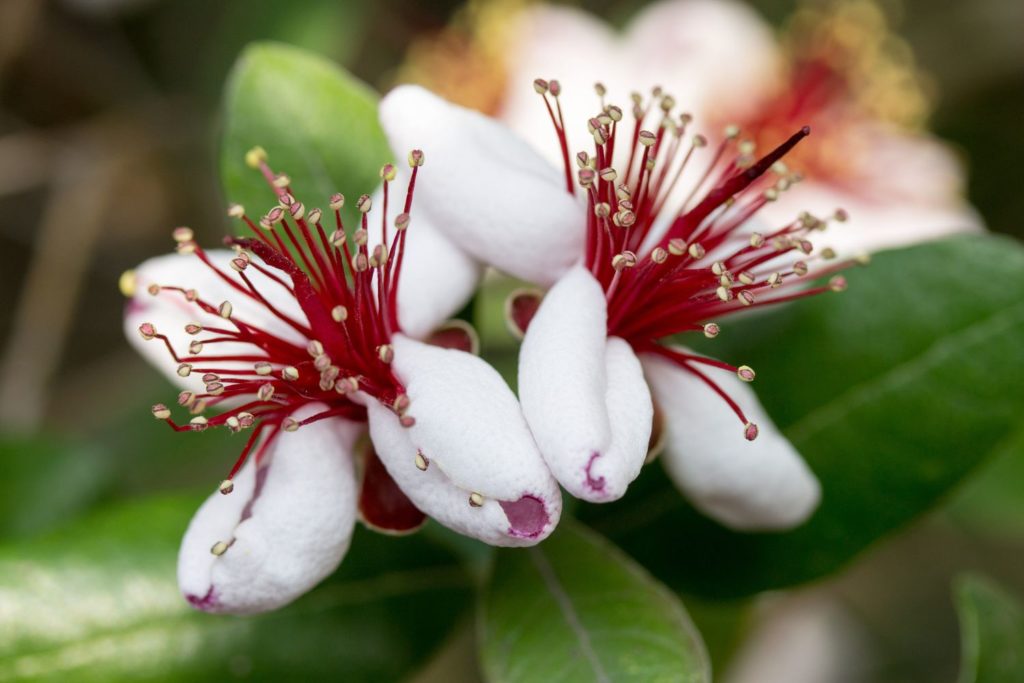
487	190
437	277
283	529
169	311
762	484
584	394
469	460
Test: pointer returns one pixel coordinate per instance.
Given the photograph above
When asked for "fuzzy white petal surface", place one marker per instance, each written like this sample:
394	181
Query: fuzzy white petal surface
169	311
747	485
291	521
571	377
435	494
484	188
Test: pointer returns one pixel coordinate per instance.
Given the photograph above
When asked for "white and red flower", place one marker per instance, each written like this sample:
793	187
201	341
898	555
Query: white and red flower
296	338
838	66
632	261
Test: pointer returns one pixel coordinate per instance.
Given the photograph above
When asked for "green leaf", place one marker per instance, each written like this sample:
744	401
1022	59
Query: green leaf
892	391
47	481
991	632
574	608
317	122
98	601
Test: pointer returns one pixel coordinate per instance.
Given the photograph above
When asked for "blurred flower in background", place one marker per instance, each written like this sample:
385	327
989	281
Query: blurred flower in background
836	64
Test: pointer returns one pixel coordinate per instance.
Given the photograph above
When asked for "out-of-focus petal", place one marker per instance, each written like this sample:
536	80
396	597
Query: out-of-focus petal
747	485
287	524
583	394
484	188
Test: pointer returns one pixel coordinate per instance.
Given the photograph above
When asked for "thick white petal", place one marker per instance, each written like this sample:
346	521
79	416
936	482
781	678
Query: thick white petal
583	394
486	189
169	312
437	277
470	429
747	485
289	523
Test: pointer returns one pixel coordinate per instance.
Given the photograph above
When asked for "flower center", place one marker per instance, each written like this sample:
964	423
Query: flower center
670	243
347	293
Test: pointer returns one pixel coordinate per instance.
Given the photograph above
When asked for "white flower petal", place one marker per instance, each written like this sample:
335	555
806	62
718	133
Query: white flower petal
747	485
470	430
437	277
169	311
711	55
289	523
583	394
486	189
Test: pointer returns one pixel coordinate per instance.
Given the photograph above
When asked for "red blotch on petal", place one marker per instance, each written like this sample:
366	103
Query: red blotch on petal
382	505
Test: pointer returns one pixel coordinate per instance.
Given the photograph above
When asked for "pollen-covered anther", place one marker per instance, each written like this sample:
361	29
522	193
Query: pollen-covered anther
126	283
198	423
771	194
837	283
195	347
608	174
364	203
219	548
198	406
626	259
215	388
401	404
554	87
696	251
360	263
659	255
147	331
711	330
416	158
421	461
347	385
388	172
540	85
724	293
210	377
386	353
841	215
236	210
379	256
184	370
614	113
699	141
186	248
297	210
718	267
800	268
282	181
582	159
774	280
233	424
265	392
750	431
322	362
255	156
186	399
161	412
193	328
647	138
586	177
476	500
314	348
153	290
290	424
290	373
263	368
314	216
336	201
731	132
746	297
225	309
745	373
182	234
401	222
339	314
226	487
746	278
246	420
828	253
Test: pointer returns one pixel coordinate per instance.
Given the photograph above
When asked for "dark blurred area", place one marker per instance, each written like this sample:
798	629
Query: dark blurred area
109	137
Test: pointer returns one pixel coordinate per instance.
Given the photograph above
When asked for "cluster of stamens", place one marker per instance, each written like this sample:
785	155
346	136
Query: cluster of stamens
671	264
348	296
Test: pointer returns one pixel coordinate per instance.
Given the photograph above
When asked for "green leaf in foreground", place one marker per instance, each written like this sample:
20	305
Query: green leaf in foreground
98	601
892	391
317	122
574	608
991	632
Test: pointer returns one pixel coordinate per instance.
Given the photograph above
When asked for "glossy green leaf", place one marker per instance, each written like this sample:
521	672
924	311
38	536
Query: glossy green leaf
893	391
98	601
317	123
991	632
575	608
